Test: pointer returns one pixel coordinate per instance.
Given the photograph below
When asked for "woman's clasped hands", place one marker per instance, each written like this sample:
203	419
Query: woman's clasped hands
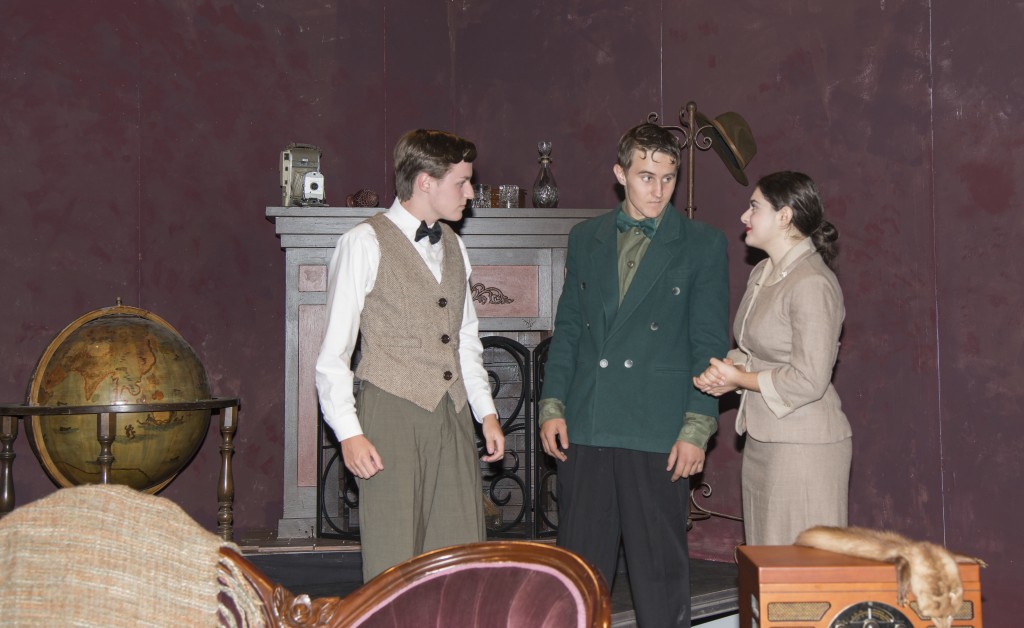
720	377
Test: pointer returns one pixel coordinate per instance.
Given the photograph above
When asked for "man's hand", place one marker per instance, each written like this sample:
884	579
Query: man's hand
554	433
494	439
685	460
361	457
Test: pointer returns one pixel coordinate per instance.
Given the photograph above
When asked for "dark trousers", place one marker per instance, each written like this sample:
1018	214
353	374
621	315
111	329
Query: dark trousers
606	495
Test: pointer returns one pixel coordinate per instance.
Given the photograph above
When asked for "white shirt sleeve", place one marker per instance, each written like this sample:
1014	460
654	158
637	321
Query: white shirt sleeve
471	350
351	276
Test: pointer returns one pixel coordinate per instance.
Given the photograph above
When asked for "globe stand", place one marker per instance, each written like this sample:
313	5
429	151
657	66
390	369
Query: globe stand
106	421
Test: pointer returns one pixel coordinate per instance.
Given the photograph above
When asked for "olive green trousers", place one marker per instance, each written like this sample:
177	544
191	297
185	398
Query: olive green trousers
429	494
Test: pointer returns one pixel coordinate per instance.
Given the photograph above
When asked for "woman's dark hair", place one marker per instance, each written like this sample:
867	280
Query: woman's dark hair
798	191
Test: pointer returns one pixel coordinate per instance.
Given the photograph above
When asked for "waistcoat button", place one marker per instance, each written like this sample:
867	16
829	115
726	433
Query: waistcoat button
447	375
445	338
442	302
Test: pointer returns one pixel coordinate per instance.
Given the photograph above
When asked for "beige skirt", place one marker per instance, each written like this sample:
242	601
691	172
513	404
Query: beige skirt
789	487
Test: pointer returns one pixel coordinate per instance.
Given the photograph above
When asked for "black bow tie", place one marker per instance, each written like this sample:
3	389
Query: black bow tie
434	233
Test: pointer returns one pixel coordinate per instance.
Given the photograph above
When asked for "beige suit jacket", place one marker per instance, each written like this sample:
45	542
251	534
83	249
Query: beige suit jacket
787	330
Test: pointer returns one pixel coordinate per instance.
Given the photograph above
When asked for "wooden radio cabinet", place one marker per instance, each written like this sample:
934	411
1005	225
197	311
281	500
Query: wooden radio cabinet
787	586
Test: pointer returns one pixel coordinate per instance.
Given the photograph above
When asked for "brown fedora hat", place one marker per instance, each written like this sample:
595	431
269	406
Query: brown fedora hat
732	139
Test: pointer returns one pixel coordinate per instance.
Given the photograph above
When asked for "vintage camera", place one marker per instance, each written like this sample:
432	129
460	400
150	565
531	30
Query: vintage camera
301	181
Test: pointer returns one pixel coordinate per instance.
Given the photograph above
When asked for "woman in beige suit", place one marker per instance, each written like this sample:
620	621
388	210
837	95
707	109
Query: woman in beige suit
796	460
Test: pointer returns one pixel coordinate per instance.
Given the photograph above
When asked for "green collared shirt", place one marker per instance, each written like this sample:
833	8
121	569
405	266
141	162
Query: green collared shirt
632	245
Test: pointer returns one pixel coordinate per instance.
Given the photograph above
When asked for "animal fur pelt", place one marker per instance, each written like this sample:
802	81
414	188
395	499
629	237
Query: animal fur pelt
925	569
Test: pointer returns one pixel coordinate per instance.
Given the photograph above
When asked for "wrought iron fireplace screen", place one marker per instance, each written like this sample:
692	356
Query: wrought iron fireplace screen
519	493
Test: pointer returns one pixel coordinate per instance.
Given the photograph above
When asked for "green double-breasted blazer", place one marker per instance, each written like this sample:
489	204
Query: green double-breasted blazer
624	372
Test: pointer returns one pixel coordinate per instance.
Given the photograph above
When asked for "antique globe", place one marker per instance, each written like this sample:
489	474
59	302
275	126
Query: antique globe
109	357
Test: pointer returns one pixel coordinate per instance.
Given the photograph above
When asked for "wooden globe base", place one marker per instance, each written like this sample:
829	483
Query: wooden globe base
106	420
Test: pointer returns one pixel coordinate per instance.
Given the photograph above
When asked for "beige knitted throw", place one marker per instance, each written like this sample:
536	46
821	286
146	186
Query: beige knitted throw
107	555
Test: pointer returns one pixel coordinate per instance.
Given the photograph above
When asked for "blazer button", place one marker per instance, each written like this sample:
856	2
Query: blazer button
445	338
583	285
654	326
675	290
443	301
628	364
588	325
603	363
447	375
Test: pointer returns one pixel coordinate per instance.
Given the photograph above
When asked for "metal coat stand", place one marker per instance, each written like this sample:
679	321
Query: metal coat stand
693	139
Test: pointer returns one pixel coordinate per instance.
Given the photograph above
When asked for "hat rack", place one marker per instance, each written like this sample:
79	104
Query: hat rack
696	137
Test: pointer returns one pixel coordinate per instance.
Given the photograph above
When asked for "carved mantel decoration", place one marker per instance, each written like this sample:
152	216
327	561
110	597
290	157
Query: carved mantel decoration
485	295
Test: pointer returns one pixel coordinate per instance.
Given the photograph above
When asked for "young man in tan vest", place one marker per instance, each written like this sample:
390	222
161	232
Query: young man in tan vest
401	279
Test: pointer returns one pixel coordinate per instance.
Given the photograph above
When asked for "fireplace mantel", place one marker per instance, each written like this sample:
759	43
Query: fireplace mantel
518	258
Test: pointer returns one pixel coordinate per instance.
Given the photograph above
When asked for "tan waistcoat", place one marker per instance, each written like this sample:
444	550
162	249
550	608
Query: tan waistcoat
410	324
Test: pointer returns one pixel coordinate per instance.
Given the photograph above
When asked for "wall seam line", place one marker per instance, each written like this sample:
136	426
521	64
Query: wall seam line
935	270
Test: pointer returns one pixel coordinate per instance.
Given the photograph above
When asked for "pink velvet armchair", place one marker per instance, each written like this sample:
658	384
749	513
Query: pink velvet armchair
507	583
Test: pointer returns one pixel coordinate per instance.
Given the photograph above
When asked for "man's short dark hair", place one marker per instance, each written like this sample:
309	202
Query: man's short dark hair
648	138
433	152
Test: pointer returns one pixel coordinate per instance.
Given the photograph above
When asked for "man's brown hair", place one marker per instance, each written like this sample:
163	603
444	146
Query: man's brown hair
433	152
648	137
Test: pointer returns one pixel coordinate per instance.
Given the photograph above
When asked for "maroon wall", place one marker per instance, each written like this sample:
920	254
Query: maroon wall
140	149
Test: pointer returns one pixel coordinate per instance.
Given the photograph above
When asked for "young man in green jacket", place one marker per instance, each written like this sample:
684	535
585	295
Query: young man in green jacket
643	309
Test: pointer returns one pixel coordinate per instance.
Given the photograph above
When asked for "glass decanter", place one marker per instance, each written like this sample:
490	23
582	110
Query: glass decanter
545	190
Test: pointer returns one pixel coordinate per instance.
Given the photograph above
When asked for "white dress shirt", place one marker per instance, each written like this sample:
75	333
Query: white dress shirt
351	276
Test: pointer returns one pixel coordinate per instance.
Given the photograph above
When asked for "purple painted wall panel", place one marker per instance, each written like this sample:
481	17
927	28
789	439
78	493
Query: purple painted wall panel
577	74
70	138
141	147
357	153
979	96
419	49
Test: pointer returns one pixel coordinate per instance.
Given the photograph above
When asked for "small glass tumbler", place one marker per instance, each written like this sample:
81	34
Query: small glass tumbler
508	196
481	195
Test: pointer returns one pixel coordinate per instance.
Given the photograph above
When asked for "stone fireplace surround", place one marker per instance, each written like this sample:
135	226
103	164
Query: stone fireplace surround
518	258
